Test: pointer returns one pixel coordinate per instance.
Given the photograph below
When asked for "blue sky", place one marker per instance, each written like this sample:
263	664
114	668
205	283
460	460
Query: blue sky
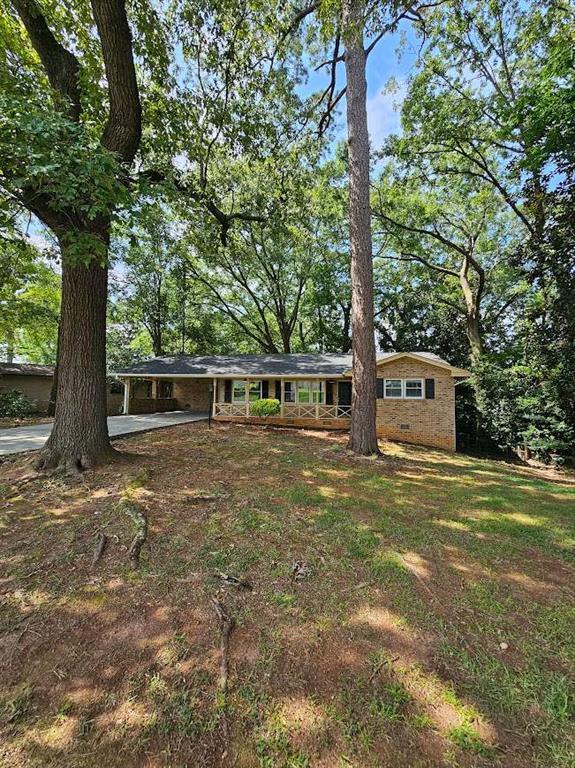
394	57
385	62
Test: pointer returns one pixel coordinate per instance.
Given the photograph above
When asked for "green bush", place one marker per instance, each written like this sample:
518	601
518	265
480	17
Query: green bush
14	403
266	407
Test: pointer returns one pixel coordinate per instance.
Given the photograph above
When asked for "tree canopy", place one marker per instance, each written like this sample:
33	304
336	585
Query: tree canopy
194	151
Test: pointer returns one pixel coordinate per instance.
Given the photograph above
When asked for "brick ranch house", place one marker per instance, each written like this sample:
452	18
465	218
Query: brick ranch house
415	391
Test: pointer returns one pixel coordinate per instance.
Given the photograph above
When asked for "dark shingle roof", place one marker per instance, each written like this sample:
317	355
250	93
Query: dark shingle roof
251	365
25	369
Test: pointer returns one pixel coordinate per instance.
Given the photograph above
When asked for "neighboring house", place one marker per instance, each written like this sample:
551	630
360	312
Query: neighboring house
415	391
35	381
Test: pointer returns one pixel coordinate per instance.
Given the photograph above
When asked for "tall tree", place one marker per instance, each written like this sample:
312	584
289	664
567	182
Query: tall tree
457	230
73	185
362	436
360	26
148	254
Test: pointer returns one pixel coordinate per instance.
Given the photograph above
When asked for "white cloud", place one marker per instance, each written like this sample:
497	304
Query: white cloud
383	113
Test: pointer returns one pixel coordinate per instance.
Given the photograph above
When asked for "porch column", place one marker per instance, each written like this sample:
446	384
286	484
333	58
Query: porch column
282	389
127	394
247	396
154	389
317	385
215	397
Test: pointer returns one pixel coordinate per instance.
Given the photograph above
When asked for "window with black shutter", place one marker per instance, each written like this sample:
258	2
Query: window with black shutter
429	389
379	390
278	390
228	391
265	388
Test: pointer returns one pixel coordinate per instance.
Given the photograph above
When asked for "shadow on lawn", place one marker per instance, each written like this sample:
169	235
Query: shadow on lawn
388	653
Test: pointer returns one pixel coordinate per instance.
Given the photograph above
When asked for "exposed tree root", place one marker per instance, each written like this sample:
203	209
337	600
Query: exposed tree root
71	462
227	625
141	523
100	545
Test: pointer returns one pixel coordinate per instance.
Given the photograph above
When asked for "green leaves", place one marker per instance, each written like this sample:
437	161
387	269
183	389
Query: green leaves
56	159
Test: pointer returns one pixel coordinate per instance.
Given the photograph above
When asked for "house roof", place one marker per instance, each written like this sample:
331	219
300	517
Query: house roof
321	364
25	369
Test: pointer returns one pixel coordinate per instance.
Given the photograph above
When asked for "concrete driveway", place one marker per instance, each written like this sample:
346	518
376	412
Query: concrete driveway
21	439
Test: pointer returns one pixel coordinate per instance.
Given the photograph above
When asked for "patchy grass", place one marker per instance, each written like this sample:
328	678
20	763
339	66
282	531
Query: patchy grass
432	624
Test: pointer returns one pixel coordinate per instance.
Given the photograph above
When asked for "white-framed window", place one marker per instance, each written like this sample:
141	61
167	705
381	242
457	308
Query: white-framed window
393	389
404	389
238	391
254	391
413	389
310	392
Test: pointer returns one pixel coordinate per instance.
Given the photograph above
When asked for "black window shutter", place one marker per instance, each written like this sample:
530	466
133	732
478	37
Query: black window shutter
265	388
429	389
278	390
228	391
329	393
380	388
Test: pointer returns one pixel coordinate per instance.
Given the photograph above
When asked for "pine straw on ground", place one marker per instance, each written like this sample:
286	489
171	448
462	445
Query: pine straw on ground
417	610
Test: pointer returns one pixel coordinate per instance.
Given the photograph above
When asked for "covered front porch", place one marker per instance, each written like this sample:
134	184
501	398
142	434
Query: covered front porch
319	402
302	401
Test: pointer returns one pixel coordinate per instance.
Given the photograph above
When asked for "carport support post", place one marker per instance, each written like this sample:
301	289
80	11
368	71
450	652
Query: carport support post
127	393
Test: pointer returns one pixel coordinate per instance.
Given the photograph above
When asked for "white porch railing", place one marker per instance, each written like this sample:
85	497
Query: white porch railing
232	409
290	410
316	411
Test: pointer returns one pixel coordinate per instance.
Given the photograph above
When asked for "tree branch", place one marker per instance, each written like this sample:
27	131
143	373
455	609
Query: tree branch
124	126
61	66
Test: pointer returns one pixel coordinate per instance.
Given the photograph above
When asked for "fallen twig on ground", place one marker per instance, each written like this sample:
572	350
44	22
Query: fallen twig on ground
100	545
141	523
377	669
233	581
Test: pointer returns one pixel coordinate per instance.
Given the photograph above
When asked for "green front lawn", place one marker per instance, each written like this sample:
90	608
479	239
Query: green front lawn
433	623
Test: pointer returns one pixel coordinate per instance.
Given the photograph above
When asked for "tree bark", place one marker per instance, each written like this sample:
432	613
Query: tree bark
473	329
362	436
472	304
346	330
79	438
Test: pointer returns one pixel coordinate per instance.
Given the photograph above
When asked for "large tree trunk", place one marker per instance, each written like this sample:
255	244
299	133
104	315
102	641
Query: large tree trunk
473	309
79	437
474	334
362	437
157	342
